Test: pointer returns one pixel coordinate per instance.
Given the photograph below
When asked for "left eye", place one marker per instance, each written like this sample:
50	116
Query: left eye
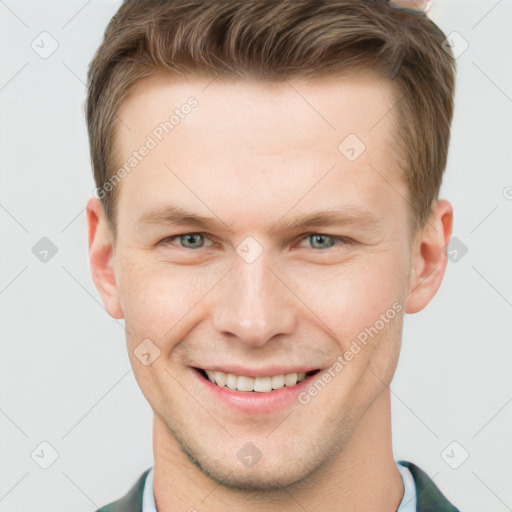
320	241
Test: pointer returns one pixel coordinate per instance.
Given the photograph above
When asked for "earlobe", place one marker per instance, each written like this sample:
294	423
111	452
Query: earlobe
101	257
429	257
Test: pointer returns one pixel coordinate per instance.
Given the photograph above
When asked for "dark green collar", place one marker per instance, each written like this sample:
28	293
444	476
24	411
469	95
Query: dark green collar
429	497
132	502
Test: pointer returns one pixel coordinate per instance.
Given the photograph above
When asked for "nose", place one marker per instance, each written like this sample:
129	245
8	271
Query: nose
253	303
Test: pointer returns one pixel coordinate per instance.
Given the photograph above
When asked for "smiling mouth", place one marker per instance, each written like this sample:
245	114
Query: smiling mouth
254	384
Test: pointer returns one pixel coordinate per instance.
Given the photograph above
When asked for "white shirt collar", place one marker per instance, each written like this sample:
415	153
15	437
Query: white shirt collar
148	499
408	503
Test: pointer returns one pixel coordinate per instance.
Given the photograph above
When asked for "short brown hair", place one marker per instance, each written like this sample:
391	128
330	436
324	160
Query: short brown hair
276	40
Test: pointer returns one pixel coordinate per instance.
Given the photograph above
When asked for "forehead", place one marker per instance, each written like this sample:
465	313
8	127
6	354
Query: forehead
356	103
250	147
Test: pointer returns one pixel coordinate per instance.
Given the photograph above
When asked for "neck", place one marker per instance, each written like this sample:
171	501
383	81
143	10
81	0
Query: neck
361	477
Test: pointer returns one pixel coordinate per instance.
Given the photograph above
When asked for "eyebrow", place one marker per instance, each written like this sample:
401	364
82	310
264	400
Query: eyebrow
351	215
169	214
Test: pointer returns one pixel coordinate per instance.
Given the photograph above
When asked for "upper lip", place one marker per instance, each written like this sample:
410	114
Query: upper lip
268	371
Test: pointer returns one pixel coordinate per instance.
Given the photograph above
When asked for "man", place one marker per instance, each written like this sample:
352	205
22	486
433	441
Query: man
266	213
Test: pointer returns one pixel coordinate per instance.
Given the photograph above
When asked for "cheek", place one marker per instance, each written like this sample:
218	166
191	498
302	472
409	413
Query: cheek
157	299
350	298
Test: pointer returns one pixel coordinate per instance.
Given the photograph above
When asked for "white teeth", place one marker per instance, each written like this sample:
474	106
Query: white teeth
231	381
262	384
220	378
290	379
277	381
245	383
258	384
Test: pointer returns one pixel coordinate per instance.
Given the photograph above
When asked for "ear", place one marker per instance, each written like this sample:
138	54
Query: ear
101	257
429	257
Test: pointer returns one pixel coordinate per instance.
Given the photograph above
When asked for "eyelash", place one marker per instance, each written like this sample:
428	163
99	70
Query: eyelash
341	239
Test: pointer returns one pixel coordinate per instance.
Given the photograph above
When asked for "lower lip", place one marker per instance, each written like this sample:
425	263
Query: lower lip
253	402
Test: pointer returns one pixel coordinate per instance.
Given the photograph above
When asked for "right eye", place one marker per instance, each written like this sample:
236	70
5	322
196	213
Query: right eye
191	241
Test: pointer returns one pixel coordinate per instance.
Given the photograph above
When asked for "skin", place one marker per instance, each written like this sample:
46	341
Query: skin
253	157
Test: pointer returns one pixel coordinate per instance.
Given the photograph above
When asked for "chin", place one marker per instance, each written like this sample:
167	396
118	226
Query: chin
264	475
262	479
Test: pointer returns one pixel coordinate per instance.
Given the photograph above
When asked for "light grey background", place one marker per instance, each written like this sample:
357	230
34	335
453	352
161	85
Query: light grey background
65	377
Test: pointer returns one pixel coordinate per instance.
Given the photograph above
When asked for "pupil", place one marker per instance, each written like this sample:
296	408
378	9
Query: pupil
319	239
189	239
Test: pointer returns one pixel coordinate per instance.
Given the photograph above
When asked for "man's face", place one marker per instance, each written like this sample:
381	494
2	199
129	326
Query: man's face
253	292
